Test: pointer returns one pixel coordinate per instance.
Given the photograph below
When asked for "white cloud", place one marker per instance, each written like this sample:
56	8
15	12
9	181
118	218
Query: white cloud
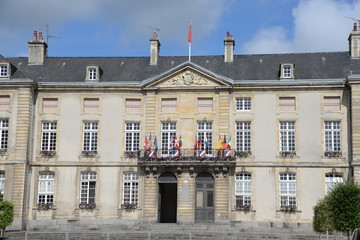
128	18
319	25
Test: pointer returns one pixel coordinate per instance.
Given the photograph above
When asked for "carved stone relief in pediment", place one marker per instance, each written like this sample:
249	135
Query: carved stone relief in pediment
187	78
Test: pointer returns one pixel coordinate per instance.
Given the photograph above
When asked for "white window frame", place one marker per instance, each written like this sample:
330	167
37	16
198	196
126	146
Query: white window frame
130	188
331	179
168	132
287	189
4	134
243	136
4	70
2	183
287	136
90	136
48	136
92	73
287	71
243	104
132	136
243	189
88	188
205	129
332	136
46	188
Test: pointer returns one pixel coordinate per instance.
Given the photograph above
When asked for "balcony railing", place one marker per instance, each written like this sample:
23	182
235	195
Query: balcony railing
185	156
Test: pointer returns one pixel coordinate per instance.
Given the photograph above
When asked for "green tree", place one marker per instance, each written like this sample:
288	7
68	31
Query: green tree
322	220
6	215
344	202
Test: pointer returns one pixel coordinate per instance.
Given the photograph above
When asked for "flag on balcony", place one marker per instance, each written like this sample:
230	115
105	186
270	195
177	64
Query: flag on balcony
176	153
176	143
152	154
196	144
206	142
180	141
156	144
171	143
146	143
202	153
228	153
229	144
224	144
219	144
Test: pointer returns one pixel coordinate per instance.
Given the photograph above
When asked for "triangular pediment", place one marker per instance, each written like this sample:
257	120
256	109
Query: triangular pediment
187	76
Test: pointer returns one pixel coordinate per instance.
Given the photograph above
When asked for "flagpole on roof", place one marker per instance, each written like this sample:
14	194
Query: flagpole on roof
190	39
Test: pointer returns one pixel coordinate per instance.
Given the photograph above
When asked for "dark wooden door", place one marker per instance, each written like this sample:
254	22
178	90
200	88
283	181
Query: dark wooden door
204	201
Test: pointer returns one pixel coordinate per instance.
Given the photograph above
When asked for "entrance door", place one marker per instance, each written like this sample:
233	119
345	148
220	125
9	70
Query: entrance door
167	198
204	198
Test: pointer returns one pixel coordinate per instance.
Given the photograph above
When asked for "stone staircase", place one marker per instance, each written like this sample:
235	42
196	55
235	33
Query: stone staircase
169	232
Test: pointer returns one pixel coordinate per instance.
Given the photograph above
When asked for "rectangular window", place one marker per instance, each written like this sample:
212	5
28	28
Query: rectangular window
50	105
287	186
4	133
243	189
92	74
131	188
48	136
168	104
332	136
287	104
4	70
287	136
287	71
243	136
2	184
133	105
90	136
132	136
168	132
243	104
46	188
87	188
331	179
91	105
332	104
205	105
4	102
204	134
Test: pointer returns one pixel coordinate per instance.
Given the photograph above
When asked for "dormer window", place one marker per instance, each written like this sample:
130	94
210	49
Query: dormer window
287	71
4	70
92	73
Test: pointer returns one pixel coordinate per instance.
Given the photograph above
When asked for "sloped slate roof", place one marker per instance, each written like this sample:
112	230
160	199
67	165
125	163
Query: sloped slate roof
332	65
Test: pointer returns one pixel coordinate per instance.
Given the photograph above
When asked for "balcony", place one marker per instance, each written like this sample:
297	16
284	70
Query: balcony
186	157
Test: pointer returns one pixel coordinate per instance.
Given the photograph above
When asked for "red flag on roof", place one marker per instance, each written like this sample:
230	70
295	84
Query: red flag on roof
190	33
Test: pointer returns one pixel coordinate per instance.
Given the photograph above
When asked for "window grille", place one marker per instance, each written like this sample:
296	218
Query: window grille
90	136
132	136
243	136
287	136
88	187
46	188
243	190
287	186
243	104
48	142
131	188
332	136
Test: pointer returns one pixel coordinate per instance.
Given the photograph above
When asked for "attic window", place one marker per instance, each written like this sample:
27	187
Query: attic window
92	73
4	70
287	71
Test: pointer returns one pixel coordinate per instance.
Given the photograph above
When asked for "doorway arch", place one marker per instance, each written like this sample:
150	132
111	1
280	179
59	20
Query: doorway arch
167	198
204	198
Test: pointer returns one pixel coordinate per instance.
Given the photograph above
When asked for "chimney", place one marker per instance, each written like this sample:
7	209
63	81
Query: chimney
154	49
229	43
37	50
354	42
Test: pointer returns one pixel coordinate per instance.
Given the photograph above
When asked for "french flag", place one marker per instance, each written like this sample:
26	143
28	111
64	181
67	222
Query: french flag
176	153
152	154
202	153
228	153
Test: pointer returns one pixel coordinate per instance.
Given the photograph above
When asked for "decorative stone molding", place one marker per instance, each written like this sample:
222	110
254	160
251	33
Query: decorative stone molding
187	78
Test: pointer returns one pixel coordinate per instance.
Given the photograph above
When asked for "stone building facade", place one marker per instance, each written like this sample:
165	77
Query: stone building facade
254	140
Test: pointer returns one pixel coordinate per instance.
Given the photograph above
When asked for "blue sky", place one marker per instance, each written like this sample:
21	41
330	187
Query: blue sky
123	27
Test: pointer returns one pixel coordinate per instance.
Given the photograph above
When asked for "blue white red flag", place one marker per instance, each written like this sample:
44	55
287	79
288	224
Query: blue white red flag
176	153
228	153
202	153
152	154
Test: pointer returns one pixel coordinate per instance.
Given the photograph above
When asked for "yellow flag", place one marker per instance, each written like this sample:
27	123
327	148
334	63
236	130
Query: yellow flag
219	144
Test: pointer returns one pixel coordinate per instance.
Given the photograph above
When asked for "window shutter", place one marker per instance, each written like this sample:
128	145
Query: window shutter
332	103
4	102
205	104
91	105
287	104
168	104
50	105
133	105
